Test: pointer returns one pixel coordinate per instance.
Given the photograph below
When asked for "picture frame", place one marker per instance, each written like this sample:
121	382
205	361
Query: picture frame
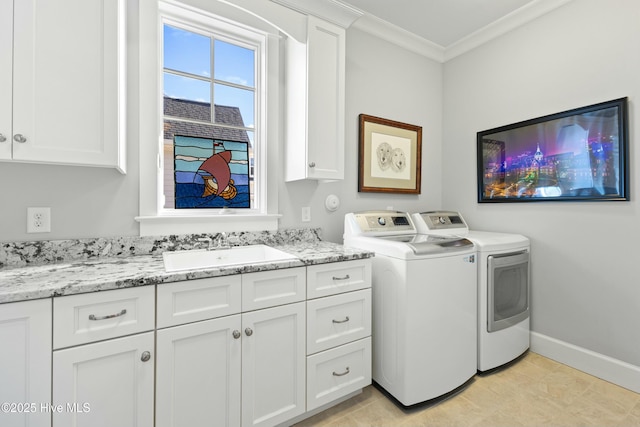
390	156
575	155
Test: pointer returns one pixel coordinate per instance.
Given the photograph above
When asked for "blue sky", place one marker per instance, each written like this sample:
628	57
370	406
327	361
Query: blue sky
190	53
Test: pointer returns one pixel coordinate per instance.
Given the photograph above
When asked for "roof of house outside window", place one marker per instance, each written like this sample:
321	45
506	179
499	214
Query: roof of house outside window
200	111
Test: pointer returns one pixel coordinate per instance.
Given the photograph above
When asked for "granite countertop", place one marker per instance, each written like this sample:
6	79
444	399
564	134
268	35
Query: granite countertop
100	270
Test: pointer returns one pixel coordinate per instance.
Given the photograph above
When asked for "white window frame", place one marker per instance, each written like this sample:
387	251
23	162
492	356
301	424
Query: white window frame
154	219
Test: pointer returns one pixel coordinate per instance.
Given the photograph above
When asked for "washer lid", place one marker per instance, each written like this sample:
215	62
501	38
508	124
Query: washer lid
416	246
422	244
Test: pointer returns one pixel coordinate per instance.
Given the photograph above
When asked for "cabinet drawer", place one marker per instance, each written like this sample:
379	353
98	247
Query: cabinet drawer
195	300
79	319
337	372
337	320
271	288
338	277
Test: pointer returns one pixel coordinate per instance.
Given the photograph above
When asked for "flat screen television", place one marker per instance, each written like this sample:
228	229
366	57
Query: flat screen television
579	154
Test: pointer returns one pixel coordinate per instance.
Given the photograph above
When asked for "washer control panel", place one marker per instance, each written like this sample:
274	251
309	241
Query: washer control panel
383	222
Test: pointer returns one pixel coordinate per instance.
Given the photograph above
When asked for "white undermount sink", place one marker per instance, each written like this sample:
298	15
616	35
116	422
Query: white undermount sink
199	258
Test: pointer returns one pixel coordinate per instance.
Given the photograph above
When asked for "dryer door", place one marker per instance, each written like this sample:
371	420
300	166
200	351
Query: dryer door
508	290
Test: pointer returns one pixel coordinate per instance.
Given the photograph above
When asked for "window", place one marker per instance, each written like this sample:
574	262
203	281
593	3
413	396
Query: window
205	89
209	100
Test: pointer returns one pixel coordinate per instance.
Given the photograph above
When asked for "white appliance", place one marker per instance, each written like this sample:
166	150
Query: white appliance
503	286
424	306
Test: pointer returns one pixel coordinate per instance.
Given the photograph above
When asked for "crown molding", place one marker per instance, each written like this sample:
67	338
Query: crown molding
410	41
333	11
400	37
507	23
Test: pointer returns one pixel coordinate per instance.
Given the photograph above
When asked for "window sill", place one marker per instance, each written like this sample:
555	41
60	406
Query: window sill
194	224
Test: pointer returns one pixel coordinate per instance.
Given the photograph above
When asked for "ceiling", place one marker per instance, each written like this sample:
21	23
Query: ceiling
443	22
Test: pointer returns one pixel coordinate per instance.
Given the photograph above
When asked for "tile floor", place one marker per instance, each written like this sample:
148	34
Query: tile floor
533	391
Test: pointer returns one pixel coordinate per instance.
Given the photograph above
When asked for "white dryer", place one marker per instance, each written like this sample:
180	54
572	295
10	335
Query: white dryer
503	286
424	306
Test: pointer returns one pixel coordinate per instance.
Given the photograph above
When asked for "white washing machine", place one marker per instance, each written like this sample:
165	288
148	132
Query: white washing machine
503	286
424	306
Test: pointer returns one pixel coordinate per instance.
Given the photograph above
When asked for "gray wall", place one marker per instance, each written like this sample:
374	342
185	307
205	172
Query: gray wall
584	278
384	81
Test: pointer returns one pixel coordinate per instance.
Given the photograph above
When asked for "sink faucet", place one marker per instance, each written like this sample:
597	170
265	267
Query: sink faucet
208	241
222	242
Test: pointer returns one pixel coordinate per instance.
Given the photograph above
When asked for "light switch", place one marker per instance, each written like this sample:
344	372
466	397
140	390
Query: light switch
306	214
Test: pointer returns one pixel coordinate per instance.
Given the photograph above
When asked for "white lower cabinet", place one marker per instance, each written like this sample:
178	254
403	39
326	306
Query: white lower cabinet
241	369
25	363
198	374
105	384
338	330
247	350
273	365
103	358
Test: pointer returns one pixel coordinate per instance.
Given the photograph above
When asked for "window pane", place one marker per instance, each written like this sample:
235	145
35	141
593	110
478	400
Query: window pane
182	87
241	99
234	64
187	52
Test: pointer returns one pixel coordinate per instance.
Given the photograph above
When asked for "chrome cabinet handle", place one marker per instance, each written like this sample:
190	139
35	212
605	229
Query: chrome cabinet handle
109	316
312	164
2	138
335	374
248	331
347	277
18	137
146	356
236	334
346	319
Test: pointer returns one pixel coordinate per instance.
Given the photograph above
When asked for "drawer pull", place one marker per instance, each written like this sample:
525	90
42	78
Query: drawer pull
248	331
347	277
335	374
146	356
236	334
346	319
109	316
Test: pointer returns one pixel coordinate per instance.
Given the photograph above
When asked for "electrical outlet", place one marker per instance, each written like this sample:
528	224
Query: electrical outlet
306	214
38	220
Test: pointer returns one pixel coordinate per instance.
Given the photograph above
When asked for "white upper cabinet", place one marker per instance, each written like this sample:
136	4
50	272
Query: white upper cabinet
66	62
6	51
316	103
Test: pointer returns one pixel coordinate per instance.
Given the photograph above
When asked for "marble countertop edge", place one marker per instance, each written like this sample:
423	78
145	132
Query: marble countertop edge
82	276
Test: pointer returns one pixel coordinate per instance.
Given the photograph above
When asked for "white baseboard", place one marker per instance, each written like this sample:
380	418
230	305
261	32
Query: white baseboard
609	369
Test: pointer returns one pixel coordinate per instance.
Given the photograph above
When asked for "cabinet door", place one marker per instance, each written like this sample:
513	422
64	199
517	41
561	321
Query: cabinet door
6	49
25	362
315	102
326	102
67	85
273	365
198	374
105	384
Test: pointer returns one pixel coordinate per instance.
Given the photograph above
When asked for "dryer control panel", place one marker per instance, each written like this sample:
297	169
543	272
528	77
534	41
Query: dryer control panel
450	221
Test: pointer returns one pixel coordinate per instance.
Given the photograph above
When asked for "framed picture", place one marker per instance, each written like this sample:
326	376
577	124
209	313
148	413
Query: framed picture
579	154
390	156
